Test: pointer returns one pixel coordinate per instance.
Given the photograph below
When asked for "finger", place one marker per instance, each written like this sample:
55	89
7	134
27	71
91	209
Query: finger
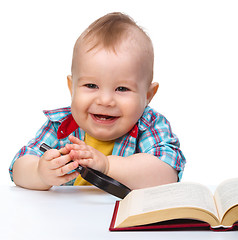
85	162
66	178
70	147
76	155
64	151
66	169
51	154
75	140
60	161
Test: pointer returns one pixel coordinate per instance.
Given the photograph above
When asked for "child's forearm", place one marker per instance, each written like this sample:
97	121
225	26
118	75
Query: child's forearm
25	173
141	170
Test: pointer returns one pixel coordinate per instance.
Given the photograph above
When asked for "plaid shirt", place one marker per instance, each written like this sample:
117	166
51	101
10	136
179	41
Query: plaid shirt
152	134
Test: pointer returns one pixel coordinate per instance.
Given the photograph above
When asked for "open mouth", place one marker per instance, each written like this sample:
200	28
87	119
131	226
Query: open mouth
103	118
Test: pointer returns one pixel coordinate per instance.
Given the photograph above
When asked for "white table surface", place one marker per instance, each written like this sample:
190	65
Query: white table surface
73	213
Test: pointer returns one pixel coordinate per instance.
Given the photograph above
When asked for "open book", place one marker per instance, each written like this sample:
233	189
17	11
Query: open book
178	205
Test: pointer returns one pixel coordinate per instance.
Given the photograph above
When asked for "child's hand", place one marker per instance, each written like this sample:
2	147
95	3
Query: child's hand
87	156
52	169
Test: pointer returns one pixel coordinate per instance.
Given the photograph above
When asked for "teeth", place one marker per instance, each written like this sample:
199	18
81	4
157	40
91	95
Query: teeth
102	117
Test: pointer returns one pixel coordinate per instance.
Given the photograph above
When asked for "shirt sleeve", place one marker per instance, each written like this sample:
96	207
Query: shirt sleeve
160	141
47	134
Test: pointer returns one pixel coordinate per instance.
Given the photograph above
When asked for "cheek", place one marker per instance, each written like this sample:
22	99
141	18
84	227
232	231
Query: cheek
74	101
133	108
78	111
74	110
77	104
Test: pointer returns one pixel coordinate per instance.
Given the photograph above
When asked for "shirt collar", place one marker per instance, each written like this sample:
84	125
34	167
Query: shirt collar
67	127
66	120
147	118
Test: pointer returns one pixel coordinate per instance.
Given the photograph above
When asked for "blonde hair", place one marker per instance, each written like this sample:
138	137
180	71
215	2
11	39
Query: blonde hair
109	31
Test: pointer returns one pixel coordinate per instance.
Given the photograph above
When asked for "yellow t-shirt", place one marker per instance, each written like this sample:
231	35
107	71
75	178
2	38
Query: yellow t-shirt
104	147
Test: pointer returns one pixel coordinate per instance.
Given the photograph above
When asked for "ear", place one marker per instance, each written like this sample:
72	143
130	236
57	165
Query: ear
70	84
152	91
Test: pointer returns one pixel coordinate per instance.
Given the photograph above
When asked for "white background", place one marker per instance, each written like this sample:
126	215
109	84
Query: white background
196	65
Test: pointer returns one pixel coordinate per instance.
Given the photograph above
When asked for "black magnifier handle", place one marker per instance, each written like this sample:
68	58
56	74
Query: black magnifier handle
98	179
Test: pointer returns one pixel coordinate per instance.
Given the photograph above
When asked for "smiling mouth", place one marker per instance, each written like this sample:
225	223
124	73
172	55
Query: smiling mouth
104	118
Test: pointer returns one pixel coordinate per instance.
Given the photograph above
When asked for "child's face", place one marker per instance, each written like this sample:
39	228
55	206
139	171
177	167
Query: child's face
109	91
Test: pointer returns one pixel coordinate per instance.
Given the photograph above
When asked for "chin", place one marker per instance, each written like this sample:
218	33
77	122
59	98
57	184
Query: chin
103	137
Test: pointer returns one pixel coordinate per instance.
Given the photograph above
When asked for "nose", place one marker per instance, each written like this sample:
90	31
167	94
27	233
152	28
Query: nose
105	98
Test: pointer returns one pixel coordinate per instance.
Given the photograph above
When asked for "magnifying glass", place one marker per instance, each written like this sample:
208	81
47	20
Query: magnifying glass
98	179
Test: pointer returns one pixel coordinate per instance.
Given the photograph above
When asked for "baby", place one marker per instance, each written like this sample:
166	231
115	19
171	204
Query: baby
109	126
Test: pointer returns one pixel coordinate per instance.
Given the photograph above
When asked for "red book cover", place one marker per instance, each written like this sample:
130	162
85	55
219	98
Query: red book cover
171	225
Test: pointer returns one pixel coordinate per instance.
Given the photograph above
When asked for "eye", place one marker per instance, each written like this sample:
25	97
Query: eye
122	89
91	85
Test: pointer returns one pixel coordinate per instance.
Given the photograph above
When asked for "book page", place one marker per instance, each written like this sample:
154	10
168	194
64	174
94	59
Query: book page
172	196
226	195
